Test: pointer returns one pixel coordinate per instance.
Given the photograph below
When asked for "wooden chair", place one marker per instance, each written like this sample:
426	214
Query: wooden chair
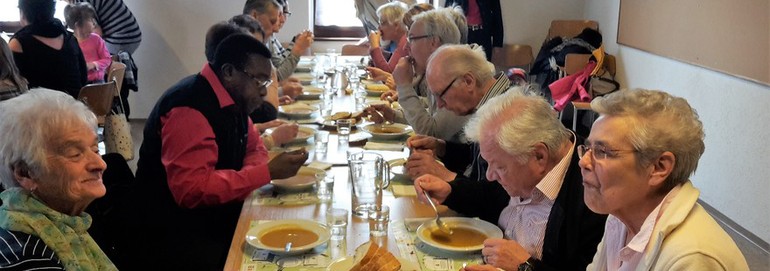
354	50
569	28
513	55
116	73
98	97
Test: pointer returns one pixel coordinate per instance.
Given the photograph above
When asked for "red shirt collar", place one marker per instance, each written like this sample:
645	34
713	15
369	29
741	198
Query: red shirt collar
222	95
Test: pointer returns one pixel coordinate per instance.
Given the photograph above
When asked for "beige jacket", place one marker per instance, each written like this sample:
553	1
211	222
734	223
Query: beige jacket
685	238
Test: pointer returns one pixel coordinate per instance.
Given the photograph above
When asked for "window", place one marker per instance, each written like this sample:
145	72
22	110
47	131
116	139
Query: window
336	19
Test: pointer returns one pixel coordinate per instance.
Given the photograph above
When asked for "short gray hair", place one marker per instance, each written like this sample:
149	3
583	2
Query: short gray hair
681	135
392	13
525	120
260	6
462	58
440	24
462	23
29	122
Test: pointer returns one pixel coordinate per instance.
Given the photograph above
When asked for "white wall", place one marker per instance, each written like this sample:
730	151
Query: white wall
733	173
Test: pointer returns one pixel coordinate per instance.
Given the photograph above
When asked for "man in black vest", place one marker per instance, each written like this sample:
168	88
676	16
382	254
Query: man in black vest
201	157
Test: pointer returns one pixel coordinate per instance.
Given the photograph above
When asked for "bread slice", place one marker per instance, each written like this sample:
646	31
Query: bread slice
377	87
377	259
341	115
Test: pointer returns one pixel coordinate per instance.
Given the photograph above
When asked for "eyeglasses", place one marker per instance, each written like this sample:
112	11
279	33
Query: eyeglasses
412	39
599	152
287	14
260	83
440	96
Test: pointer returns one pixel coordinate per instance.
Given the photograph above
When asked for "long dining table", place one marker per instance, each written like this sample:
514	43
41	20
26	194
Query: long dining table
402	207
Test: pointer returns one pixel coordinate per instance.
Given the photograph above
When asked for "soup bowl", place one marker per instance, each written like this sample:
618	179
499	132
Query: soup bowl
273	236
387	131
468	234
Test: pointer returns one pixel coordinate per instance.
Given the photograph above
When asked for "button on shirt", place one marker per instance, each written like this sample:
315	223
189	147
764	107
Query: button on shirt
525	220
622	256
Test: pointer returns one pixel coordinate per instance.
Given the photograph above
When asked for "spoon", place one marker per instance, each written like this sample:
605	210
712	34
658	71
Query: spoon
386	122
441	226
288	247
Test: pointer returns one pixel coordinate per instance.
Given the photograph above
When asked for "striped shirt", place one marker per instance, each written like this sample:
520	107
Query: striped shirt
118	24
282	59
525	220
21	251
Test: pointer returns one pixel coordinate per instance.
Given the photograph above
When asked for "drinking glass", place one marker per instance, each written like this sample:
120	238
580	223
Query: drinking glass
378	221
337	220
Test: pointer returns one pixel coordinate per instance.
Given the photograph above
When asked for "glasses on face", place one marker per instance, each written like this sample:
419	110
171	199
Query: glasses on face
287	14
414	38
599	152
441	94
260	83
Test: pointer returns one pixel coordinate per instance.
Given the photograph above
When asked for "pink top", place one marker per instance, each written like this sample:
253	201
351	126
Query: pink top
388	66
94	50
189	154
474	14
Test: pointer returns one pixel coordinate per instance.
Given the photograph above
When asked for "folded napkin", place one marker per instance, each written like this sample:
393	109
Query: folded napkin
384	146
403	190
319	165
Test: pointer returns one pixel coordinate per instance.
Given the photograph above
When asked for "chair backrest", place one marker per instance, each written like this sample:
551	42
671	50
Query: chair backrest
98	97
576	62
116	73
569	28
512	55
354	50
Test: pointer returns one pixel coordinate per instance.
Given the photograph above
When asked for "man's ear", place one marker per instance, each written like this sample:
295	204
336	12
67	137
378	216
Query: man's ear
228	71
541	156
661	168
23	175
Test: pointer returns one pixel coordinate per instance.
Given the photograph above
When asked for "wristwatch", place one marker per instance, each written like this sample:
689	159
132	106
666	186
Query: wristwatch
527	265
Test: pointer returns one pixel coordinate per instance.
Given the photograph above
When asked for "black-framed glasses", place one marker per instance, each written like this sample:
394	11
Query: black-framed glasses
260	83
599	152
412	39
287	14
440	96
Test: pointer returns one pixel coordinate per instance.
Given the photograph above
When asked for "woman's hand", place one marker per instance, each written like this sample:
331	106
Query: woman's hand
374	39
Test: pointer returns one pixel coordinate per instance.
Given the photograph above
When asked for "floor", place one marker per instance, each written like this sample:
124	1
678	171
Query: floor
757	255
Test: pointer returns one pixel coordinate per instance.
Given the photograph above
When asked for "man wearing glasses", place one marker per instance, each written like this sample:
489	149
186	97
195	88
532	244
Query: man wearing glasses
638	171
461	80
201	157
532	157
429	31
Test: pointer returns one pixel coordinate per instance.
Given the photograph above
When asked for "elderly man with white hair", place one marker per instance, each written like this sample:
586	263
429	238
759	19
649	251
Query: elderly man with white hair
532	156
638	172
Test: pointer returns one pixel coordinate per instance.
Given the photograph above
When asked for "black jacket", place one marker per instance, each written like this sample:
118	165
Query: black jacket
572	233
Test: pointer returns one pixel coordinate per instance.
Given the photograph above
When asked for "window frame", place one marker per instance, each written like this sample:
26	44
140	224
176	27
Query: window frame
333	32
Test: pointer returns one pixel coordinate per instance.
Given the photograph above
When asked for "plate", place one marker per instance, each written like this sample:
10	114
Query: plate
305	179
461	223
303	134
347	262
255	235
310	93
387	131
298	111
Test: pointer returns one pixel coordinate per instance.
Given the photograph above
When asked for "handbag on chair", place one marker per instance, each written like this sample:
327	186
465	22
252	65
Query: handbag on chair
117	132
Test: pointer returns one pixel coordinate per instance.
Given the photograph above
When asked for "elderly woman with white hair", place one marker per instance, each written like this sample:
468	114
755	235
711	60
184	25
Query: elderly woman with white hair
51	169
391	28
643	148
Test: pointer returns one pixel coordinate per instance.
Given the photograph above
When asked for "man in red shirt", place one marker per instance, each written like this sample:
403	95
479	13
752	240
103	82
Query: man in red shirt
201	157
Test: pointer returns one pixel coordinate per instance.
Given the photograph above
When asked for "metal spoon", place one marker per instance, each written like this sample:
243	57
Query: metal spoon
441	226
288	247
386	122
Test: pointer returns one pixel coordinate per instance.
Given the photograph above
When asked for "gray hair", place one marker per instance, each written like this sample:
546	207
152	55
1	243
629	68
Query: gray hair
457	15
260	6
660	122
29	122
439	24
462	58
525	120
392	13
